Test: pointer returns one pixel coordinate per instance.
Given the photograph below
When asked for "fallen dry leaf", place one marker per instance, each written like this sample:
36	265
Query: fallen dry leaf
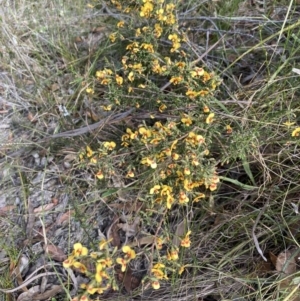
130	229
4	210
126	279
55	87
43	208
53	291
147	240
112	233
65	217
30	220
286	263
180	230
31	117
55	201
273	258
55	253
27	296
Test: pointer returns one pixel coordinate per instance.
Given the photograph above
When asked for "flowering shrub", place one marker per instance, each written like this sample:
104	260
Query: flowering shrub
169	154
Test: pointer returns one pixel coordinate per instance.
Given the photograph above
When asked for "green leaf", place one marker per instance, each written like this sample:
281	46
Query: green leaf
109	192
236	182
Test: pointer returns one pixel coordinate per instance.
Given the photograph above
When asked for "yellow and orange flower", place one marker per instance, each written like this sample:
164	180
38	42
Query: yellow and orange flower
130	253
186	242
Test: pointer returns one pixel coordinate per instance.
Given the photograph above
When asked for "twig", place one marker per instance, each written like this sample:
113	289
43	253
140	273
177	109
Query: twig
254	235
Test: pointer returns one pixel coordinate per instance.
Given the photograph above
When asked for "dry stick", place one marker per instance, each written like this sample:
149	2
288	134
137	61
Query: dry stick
26	282
253	232
198	59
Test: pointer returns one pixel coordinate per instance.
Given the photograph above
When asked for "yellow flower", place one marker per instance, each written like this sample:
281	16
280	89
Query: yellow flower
148	47
168	60
112	37
159	243
155	141
206	77
145	133
138	32
176	80
166	190
80	267
160	15
197	72
93	160
162	108
105	81
107	108
109	145
107	262
173	255
200	196
101	74
185	242
132	135
133	47
138	67
175	156
206	109
213	186
289	124
89	152
100	175
155	189
174	38
157	273
191	94
170	7
131	76
68	262
120	24
194	139
228	129
181	269
175	41
122	262
90	91
104	243
98	275
186	120
157	30
130	174
149	162
175	47
119	79
183	198
210	118
296	132
170	200
156	68
145	29
130	253
146	9
202	93
91	290
79	250
180	65
155	284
